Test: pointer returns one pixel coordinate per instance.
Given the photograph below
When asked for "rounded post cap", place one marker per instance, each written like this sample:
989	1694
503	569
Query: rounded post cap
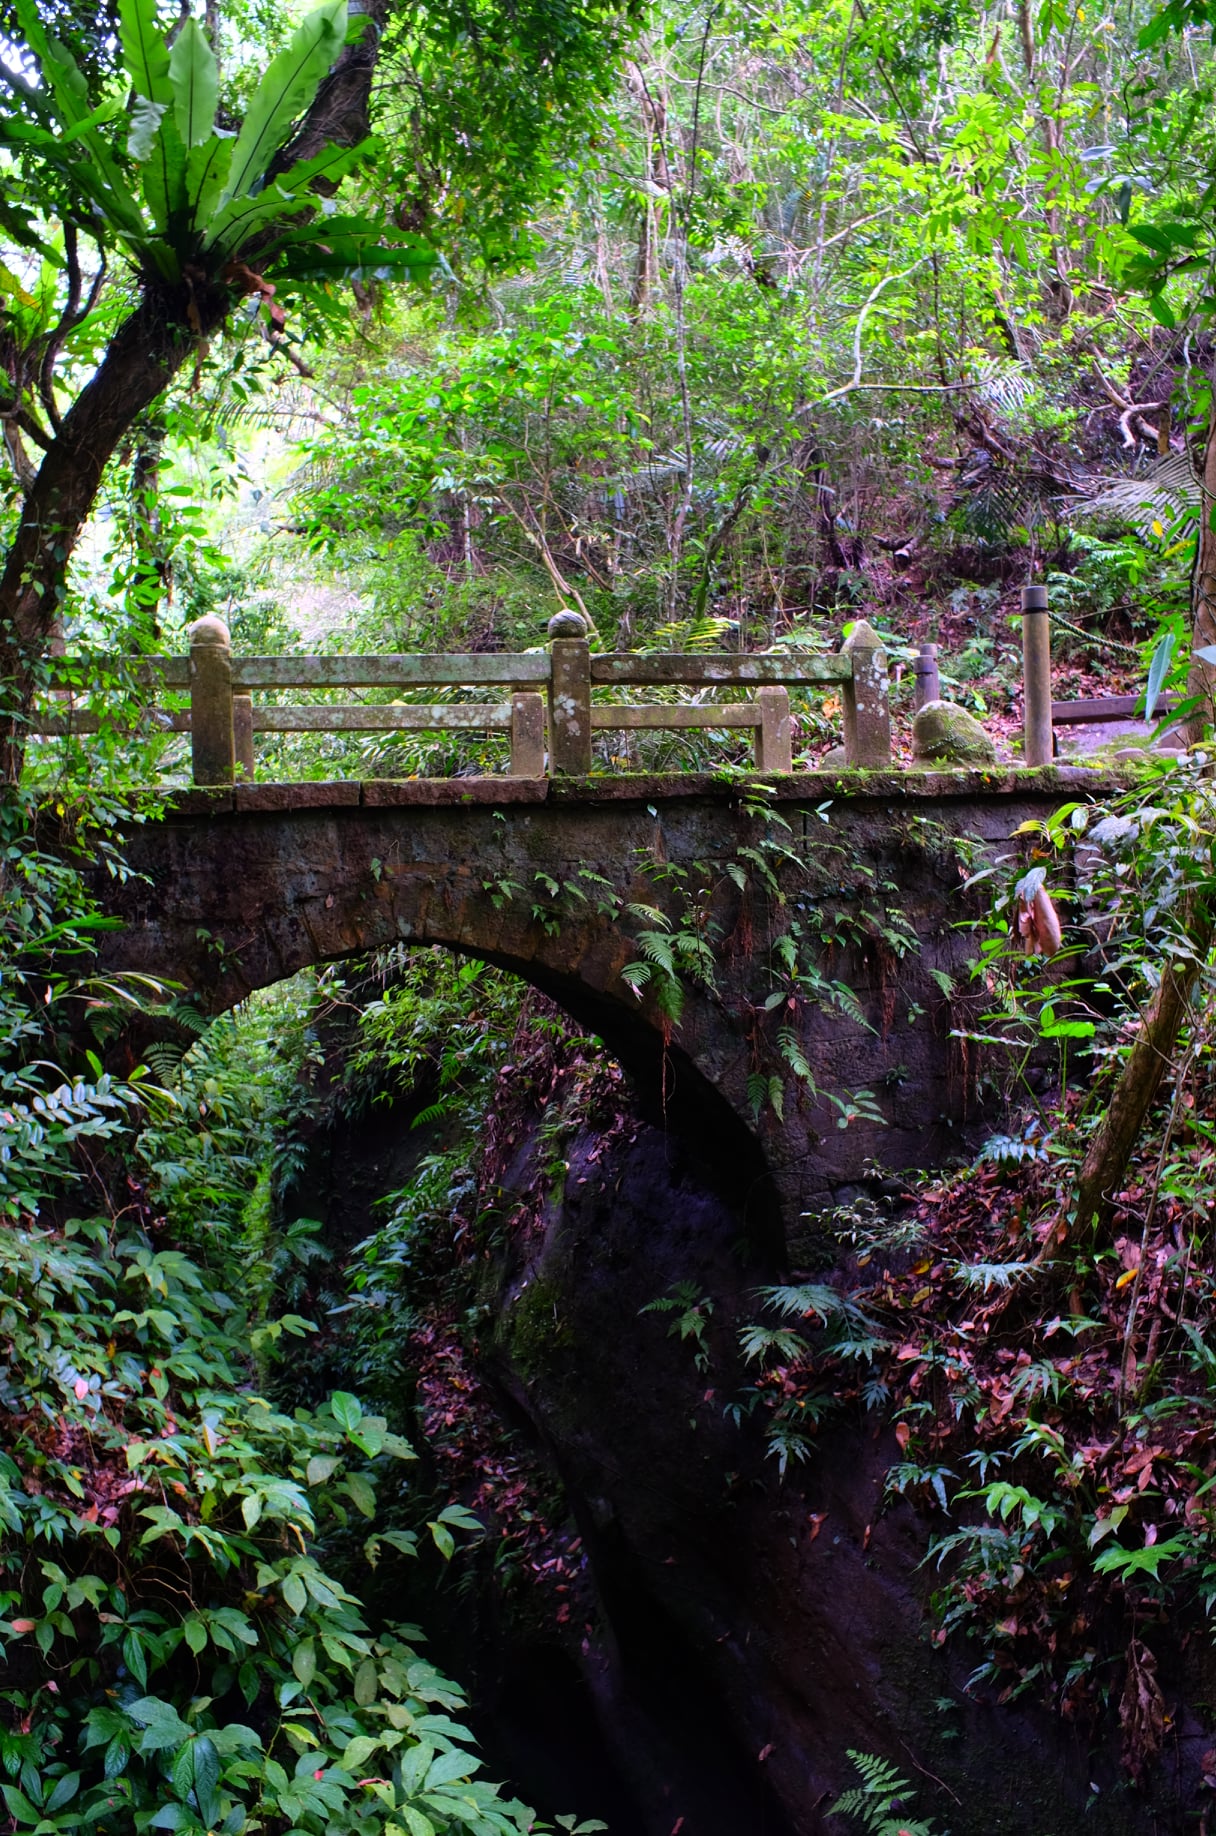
567	624
209	630
1034	599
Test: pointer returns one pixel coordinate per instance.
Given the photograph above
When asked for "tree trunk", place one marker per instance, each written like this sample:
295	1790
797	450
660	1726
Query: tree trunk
142	359
168	326
1202	679
1105	1165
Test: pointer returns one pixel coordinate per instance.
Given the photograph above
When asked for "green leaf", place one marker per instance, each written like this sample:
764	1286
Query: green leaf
65	1790
1158	669
445	1542
207	1779
144	55
294	1592
162	1725
304	1661
195	78
361	1493
321	1467
146	118
19	1805
347	1409
367	1683
284	94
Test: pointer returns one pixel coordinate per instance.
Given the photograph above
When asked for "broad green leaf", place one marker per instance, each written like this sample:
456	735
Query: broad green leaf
294	1592
367	1682
206	176
65	1790
304	1661
19	1805
207	1779
321	1467
361	1494
444	1541
146	118
144	54
347	1409
284	94
290	194
449	1766
195	78
164	177
1158	669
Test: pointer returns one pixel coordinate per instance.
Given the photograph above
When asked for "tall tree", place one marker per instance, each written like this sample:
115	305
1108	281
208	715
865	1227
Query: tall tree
201	218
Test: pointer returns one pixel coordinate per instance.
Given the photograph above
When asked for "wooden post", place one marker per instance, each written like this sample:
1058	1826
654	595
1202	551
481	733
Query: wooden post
1037	739
928	685
527	736
773	749
866	701
570	696
242	735
212	746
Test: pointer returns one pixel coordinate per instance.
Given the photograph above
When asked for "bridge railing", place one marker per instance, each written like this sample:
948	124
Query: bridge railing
546	701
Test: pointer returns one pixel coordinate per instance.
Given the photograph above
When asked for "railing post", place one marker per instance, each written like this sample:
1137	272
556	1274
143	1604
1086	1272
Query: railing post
1037	739
212	745
928	684
570	696
773	747
242	735
527	736
866	701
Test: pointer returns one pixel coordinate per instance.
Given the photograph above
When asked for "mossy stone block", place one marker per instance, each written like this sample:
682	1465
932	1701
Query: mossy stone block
945	734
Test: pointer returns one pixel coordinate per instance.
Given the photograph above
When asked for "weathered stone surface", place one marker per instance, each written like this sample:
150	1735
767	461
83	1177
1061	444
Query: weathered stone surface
943	733
243	897
438	793
334	794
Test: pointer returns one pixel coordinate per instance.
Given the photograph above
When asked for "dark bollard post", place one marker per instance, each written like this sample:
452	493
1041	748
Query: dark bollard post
570	696
866	700
212	746
928	684
1036	677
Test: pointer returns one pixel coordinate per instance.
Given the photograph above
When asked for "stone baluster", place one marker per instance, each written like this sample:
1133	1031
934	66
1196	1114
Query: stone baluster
866	699
212	742
242	736
1038	744
772	741
527	736
570	696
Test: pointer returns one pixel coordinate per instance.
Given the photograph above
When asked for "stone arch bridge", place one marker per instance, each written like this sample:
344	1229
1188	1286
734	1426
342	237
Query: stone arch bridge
831	906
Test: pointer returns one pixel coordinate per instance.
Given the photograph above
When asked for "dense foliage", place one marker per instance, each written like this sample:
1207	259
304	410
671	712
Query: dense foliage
725	325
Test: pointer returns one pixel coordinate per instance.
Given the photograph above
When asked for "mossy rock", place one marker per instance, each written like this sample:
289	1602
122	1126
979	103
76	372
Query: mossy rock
945	735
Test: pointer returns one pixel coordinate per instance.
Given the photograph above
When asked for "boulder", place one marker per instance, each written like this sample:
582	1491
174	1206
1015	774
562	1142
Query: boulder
943	734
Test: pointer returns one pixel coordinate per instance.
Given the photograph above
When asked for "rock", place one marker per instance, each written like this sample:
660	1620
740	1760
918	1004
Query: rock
835	760
945	735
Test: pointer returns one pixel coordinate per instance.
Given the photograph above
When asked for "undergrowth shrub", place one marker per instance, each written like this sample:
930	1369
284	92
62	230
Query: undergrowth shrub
184	1645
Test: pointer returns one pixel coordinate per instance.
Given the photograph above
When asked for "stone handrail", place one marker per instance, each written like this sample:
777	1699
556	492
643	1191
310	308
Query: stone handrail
550	698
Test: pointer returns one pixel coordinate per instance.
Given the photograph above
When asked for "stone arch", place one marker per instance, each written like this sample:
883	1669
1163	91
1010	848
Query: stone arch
230	905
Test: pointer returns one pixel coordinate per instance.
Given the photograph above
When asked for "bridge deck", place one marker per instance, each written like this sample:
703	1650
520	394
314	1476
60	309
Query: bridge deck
892	787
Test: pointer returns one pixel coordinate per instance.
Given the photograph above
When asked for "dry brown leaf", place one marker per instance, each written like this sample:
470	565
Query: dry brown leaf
1141	1711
